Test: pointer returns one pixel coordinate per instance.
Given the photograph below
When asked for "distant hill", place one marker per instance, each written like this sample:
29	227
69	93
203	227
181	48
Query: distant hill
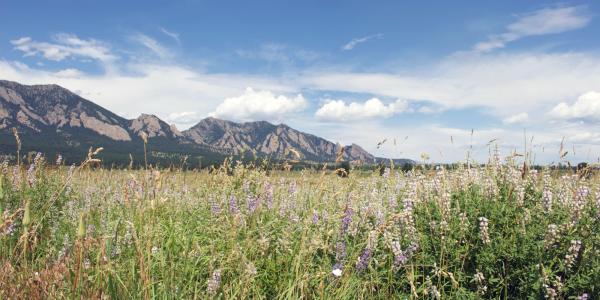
54	120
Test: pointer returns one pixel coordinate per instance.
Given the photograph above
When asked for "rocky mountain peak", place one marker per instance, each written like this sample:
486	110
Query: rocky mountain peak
153	127
59	114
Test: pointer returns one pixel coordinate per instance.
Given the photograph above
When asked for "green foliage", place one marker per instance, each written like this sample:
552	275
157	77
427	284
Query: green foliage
239	233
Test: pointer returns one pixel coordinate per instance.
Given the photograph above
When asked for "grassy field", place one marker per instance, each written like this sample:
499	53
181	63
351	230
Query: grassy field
471	233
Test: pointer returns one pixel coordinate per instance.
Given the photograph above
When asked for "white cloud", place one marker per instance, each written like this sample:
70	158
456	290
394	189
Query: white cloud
170	34
69	73
145	88
339	111
354	42
503	84
587	107
518	118
64	46
540	22
152	45
187	118
259	105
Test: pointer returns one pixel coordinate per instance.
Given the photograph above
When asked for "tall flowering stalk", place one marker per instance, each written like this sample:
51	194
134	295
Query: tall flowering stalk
483	230
552	237
268	194
572	254
480	280
233	207
363	260
213	283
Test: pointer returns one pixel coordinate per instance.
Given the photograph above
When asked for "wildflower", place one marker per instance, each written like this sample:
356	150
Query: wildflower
583	296
337	270
246	187
551	236
393	204
572	254
547	199
400	256
116	251
579	203
483	230
315	217
154	250
16	178
233	208
268	195
293	188
31	174
549	292
214	283
251	269
363	259
520	190
386	173
252	202
347	219
214	207
5	167
9	229
480	280
432	290
340	251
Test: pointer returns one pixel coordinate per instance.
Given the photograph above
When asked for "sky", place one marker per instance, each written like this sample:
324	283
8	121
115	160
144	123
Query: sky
441	78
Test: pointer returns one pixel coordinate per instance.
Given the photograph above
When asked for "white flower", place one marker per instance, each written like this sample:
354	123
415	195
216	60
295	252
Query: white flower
337	272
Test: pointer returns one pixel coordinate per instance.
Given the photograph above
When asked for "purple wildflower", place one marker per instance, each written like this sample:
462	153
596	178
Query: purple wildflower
16	178
233	208
364	259
347	219
31	174
340	251
315	217
214	207
269	195
253	203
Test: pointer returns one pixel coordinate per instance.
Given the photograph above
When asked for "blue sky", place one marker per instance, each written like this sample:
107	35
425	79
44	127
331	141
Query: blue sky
350	71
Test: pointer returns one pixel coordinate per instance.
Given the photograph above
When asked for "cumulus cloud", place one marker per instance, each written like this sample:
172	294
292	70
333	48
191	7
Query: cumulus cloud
354	42
339	111
517	118
65	46
587	107
540	22
259	105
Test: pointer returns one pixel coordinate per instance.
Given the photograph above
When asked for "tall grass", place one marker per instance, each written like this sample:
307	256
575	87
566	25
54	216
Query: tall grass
470	233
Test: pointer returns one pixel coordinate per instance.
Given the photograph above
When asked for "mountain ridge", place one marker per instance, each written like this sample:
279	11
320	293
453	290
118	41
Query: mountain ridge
68	119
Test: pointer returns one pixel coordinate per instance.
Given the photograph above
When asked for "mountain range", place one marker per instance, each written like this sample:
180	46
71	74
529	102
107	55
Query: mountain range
54	120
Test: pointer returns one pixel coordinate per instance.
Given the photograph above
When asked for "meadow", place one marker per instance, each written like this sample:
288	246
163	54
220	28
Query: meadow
498	231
